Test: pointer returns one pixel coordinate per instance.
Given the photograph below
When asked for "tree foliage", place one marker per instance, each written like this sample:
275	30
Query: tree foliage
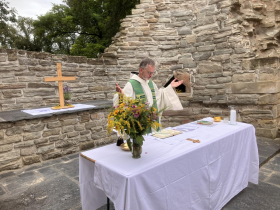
77	27
7	16
82	27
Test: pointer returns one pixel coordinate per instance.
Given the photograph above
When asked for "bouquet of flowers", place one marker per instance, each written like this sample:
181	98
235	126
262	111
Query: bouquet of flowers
67	92
133	117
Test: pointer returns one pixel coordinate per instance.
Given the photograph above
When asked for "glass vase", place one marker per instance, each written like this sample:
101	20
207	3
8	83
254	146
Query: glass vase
136	150
67	102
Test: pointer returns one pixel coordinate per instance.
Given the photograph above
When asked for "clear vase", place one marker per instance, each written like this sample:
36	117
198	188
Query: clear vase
136	150
67	102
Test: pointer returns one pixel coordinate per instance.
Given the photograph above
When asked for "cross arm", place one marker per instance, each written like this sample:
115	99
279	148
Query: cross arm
51	79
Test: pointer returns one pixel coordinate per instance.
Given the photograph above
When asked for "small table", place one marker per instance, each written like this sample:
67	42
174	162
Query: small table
184	175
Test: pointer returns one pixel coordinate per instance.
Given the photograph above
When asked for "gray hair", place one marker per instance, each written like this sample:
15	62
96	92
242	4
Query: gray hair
147	61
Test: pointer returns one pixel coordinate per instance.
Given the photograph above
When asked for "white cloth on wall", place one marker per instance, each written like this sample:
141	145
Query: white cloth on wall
181	176
166	97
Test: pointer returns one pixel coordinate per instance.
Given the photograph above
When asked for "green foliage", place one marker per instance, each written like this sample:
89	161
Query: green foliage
82	27
78	27
7	16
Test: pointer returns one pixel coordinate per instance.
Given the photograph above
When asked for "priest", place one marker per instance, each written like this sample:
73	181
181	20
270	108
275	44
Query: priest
141	86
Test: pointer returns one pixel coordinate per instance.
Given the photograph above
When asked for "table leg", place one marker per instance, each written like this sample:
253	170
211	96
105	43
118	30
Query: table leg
108	203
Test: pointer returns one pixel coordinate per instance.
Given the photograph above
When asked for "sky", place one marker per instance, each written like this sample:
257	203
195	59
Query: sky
32	8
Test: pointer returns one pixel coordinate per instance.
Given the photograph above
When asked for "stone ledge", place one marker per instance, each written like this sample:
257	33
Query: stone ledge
16	115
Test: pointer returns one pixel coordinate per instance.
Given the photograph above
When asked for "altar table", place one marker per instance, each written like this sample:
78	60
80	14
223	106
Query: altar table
183	175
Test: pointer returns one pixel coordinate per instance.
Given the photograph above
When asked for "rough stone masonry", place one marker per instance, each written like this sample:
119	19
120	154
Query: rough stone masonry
230	49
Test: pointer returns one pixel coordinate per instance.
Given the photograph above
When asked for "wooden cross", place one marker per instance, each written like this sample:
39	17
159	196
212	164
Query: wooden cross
60	80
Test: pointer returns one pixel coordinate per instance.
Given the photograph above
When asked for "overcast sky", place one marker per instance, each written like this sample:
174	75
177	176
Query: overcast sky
32	8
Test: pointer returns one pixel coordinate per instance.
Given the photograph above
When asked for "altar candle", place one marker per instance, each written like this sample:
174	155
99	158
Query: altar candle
233	116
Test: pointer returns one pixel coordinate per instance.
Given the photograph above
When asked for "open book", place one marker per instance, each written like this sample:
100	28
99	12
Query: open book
166	133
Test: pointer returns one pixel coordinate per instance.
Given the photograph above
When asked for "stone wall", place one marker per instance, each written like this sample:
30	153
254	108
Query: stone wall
31	141
229	47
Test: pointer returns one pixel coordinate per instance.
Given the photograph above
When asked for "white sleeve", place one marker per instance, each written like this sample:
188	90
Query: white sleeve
167	98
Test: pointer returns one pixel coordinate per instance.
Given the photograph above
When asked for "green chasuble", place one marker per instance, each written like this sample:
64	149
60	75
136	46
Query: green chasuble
139	93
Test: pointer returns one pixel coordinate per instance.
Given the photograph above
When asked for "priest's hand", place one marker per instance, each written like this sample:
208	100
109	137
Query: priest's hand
175	84
118	89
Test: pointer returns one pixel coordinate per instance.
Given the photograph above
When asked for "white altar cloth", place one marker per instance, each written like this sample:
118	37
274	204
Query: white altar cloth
186	175
48	110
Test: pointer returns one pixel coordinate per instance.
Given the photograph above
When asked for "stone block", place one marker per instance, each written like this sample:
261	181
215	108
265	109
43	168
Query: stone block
246	77
222	35
184	112
40	85
268	77
52	155
24	144
205	92
51	132
87	145
223	52
28	151
30	136
45	149
224	79
41	141
85	132
268	133
73	134
38	92
138	11
96	129
67	116
206	48
90	125
185	31
1	135
13	131
69	122
251	99
85	138
34	128
95	89
79	127
254	87
190	39
68	129
11	166
205	81
259	63
11	93
209	67
268	99
220	58
209	27
216	112
2	59
205	111
84	118
199	56
13	86
56	138
6	148
99	135
31	159
52	125
219	86
12	54
9	157
11	139
67	143
97	116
